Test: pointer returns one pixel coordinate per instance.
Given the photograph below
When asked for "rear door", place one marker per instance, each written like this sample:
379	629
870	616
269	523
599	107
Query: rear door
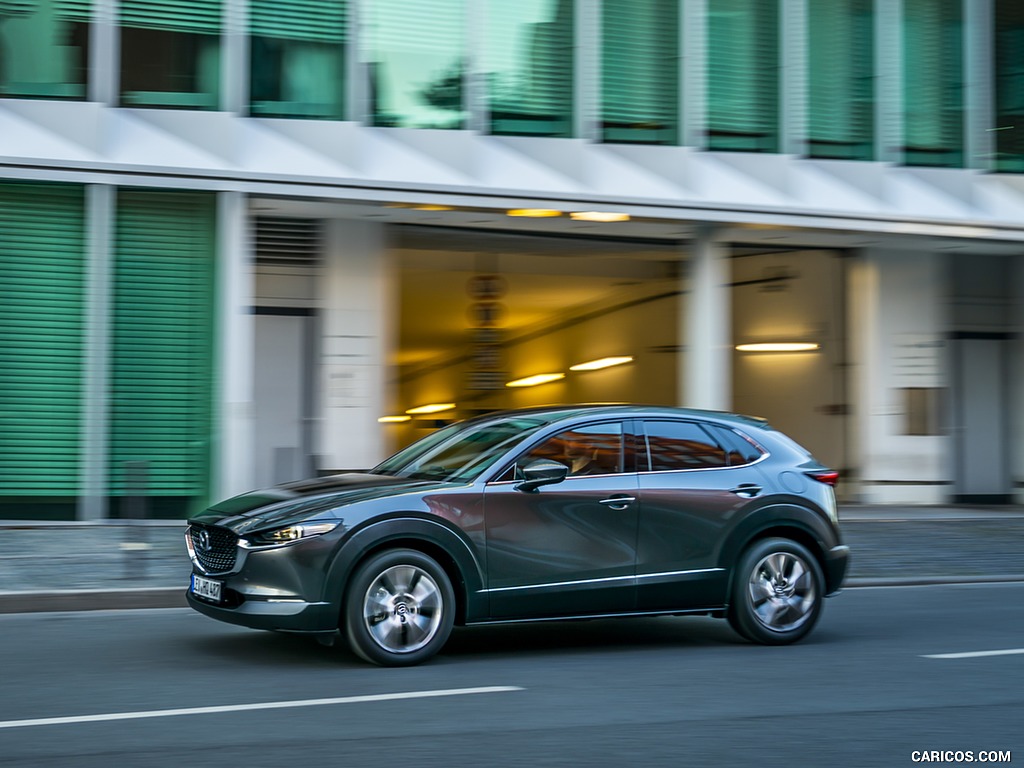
694	481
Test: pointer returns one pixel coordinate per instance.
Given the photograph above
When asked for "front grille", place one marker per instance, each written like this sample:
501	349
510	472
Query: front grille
215	547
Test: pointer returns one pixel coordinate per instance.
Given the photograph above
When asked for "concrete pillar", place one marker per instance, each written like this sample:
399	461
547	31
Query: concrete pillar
889	80
706	373
357	307
233	446
234	75
979	85
104	54
793	79
99	218
1016	382
693	73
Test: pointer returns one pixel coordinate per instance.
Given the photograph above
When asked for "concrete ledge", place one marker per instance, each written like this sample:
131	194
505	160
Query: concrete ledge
925	581
91	600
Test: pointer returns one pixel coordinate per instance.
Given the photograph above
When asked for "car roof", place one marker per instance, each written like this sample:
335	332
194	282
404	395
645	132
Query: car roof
553	413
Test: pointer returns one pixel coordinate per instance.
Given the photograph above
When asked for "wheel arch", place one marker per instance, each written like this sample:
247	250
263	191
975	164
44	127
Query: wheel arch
432	538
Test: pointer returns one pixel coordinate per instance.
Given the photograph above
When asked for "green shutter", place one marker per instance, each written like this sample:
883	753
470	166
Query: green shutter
933	82
202	16
743	75
42	273
840	75
321	21
163	319
640	70
1009	85
73	10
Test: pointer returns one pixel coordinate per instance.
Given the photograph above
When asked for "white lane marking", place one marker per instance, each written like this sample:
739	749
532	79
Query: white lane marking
250	707
974	654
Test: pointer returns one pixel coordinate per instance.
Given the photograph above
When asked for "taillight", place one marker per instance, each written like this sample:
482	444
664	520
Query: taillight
826	476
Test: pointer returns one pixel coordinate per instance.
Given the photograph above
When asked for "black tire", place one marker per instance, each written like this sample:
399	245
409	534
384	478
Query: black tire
399	608
777	592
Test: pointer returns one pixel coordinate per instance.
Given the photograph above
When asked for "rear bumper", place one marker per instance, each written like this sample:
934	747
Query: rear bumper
837	562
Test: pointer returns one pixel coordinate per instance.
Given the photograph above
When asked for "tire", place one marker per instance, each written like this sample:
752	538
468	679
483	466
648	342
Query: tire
777	592
399	608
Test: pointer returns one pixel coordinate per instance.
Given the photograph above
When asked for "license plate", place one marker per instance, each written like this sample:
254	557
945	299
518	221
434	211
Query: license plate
208	589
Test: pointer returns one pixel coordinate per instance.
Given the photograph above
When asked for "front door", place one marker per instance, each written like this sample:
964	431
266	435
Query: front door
569	548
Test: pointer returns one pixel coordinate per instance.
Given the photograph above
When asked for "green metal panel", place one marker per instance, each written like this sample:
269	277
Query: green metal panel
42	274
311	20
162	350
202	16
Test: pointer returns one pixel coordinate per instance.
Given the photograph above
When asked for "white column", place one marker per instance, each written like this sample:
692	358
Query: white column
979	82
357	74
235	338
587	71
357	307
104	54
693	76
234	74
1016	373
707	363
99	218
793	81
889	81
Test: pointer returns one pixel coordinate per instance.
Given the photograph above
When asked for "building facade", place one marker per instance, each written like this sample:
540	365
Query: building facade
240	240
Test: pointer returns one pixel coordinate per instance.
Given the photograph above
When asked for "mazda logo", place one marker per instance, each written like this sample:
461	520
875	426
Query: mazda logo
203	541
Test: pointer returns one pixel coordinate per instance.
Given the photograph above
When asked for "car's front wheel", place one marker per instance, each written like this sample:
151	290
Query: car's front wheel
777	592
399	608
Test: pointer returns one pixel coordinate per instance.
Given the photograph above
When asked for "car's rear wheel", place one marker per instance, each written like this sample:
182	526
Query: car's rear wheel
777	592
399	608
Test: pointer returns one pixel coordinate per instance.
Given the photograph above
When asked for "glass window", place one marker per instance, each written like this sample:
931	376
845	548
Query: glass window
1009	86
595	449
44	48
743	75
417	63
528	61
640	71
840	79
681	445
739	450
170	53
933	82
297	58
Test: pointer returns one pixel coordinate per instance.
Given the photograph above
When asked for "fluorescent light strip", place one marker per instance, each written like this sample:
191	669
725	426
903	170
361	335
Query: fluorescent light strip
779	346
393	419
535	380
604	362
431	408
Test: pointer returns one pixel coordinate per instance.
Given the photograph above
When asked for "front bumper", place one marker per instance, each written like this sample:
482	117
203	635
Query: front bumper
285	615
837	562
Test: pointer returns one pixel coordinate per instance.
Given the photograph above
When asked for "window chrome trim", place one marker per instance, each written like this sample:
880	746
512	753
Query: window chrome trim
602	580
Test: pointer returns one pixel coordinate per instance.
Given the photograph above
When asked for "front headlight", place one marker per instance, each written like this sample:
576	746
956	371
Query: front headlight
287	535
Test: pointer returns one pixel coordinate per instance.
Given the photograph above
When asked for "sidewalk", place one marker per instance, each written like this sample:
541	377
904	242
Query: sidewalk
56	566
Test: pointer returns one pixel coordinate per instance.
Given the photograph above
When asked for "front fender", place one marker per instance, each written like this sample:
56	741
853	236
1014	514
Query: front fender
432	536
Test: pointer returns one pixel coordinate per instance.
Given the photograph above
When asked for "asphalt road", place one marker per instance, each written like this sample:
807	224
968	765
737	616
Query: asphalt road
666	691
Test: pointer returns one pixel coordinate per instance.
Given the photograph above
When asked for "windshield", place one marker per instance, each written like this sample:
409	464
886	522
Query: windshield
460	452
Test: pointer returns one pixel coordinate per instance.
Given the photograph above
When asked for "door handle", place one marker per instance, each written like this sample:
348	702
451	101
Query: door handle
747	490
618	502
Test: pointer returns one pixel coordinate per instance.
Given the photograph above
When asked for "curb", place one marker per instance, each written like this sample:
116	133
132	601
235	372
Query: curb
92	600
930	581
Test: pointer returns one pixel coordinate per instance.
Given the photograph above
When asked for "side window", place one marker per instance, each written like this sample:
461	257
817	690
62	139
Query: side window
595	449
681	445
739	450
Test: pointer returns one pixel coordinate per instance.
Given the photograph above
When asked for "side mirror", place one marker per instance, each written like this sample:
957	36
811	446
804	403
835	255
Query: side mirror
541	472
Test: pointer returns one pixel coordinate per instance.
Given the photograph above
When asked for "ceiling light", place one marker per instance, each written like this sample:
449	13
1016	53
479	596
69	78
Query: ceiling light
598	216
779	346
393	419
604	362
534	213
432	207
533	381
431	408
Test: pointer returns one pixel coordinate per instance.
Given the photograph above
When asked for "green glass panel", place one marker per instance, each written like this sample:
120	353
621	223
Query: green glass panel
933	83
170	53
640	71
1009	85
44	48
162	357
840	75
42	288
528	65
417	63
297	58
743	75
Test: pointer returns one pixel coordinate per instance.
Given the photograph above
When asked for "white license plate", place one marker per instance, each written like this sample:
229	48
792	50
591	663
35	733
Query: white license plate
208	589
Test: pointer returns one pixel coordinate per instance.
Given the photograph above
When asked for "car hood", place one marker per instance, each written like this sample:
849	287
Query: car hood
320	498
